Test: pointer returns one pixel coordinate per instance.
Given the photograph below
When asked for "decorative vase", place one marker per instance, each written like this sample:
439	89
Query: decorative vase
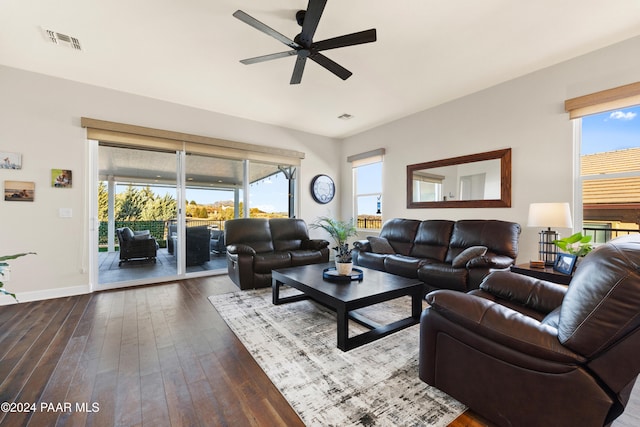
344	268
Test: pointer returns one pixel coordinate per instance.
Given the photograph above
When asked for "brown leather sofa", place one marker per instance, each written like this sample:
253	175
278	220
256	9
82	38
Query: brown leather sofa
524	352
441	253
255	246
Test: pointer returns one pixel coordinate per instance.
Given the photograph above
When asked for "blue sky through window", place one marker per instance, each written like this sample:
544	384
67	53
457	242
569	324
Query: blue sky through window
610	131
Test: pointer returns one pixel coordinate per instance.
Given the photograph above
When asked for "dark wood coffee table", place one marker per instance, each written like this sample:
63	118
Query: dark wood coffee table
346	297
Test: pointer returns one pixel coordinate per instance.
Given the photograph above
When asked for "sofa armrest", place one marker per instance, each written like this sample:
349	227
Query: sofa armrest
490	260
362	245
528	291
314	244
241	249
501	325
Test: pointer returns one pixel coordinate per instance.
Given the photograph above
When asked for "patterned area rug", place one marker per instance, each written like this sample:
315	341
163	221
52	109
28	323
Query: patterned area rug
373	385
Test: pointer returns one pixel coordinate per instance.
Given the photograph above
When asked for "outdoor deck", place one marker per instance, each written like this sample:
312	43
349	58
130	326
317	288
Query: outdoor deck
165	265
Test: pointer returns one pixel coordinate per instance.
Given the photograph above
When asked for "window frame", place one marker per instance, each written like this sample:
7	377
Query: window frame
358	161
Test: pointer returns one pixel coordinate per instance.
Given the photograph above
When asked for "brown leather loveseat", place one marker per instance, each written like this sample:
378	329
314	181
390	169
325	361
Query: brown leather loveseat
443	254
255	246
524	352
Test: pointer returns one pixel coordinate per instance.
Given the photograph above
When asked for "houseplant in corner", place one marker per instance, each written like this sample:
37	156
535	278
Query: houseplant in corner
576	244
340	231
3	266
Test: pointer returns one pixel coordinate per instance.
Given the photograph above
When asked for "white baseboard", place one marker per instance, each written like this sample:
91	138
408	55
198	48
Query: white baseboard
46	294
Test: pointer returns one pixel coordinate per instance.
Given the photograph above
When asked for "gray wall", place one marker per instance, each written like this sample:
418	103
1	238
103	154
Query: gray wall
40	118
526	114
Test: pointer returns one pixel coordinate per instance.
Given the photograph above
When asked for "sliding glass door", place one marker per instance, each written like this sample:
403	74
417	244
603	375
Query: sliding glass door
213	191
161	214
137	203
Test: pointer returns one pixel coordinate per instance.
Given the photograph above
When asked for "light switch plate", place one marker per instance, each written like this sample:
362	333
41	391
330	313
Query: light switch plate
65	212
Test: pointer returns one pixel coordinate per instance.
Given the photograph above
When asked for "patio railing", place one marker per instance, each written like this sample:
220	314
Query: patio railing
603	235
158	229
370	223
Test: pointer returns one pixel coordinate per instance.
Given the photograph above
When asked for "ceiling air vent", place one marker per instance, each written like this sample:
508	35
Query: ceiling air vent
63	39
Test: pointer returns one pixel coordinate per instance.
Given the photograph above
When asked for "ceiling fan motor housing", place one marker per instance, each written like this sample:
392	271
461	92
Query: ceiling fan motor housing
300	17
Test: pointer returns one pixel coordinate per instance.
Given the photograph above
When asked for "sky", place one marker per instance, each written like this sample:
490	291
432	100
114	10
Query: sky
268	195
613	130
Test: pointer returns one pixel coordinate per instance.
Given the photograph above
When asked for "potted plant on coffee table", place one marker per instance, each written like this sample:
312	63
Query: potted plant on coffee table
340	231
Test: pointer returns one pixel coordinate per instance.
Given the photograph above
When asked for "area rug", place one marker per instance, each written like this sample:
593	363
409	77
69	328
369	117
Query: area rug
373	385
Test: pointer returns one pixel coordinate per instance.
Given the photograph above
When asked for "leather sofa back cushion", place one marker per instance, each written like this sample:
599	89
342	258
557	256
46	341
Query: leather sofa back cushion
254	232
500	237
288	233
400	233
601	304
432	239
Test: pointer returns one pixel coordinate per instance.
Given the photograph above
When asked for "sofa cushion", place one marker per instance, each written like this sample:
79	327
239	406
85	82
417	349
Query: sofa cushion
372	260
400	233
403	265
432	239
500	237
126	234
288	233
444	276
468	254
254	232
141	235
380	245
267	261
305	256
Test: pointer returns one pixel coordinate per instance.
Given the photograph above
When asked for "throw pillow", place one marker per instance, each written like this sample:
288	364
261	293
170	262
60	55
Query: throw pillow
380	245
471	252
141	235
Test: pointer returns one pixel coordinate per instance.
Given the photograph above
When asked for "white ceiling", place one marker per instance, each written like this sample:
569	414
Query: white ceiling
188	51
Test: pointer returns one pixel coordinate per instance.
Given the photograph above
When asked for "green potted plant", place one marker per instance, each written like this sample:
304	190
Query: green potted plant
4	266
340	231
576	244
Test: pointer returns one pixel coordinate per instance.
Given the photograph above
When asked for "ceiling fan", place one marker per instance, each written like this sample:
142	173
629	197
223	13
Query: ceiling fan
303	45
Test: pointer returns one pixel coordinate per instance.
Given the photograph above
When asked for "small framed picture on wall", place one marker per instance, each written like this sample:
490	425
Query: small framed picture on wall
19	191
61	178
10	160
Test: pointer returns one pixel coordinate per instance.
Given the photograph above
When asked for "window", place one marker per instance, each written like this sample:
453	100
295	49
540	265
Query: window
609	178
427	187
367	189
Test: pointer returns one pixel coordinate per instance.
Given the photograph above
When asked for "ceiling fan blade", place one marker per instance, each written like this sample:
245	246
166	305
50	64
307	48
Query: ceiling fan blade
250	20
298	69
269	57
311	20
332	66
360	37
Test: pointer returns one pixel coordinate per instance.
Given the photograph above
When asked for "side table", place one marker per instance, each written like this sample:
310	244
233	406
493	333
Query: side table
546	273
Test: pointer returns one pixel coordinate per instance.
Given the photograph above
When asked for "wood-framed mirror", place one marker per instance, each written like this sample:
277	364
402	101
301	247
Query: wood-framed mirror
481	180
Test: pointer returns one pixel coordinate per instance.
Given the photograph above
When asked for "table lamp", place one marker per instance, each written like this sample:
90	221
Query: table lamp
549	215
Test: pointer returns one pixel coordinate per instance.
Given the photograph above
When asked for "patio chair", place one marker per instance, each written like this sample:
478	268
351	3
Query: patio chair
136	244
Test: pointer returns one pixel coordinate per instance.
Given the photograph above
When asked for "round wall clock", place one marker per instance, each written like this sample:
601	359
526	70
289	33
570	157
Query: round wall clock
322	189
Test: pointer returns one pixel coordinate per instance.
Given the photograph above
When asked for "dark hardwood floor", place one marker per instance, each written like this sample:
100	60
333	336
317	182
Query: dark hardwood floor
154	355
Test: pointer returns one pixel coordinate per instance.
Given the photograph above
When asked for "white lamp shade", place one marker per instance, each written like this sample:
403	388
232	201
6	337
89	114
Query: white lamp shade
550	215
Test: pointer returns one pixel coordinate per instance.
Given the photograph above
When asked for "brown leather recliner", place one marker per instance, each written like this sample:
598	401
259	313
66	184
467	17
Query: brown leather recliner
525	352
